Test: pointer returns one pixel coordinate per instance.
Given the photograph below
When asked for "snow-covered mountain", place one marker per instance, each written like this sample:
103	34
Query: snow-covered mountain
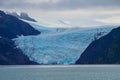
22	15
58	45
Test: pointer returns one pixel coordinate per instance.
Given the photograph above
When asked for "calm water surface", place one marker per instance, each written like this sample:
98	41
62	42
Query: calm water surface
84	72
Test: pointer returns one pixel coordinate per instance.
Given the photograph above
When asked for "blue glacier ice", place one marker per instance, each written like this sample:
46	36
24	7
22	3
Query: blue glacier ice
58	45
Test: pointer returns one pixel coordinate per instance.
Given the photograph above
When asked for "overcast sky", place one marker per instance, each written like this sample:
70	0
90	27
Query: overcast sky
78	13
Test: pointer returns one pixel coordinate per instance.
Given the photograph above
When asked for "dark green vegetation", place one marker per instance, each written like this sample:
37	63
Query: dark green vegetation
10	55
105	50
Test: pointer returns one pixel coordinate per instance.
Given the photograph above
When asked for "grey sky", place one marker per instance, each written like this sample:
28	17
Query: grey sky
60	4
77	12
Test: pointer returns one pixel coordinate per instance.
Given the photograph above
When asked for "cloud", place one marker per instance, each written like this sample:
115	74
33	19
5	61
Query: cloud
60	4
78	12
110	20
89	3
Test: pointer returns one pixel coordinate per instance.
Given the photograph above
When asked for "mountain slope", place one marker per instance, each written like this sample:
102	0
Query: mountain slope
10	55
105	50
11	27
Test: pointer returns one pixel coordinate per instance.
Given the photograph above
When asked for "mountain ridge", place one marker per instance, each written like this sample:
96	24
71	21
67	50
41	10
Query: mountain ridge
22	15
11	27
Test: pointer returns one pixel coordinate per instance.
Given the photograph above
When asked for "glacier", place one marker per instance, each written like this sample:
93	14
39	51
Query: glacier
58	45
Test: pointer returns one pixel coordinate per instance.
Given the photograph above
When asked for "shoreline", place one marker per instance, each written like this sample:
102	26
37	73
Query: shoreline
56	66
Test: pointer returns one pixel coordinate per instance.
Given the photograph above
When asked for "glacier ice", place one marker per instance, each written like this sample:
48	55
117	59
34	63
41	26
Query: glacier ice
57	46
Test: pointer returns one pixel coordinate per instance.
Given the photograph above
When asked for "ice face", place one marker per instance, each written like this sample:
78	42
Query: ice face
57	47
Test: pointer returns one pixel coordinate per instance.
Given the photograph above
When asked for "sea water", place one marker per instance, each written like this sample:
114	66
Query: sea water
68	72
